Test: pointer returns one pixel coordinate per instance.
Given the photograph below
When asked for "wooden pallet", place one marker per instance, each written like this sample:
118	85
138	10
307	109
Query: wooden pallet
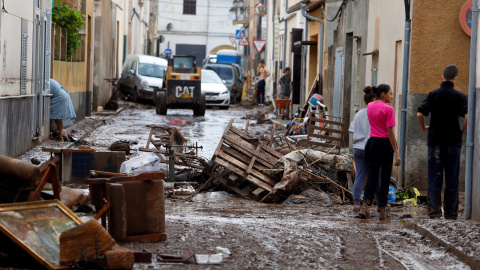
325	135
240	163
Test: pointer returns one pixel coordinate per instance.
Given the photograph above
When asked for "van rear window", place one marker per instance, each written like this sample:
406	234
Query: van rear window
151	70
226	73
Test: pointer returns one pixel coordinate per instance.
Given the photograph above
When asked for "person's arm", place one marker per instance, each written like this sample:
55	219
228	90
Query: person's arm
421	122
393	142
464	128
259	70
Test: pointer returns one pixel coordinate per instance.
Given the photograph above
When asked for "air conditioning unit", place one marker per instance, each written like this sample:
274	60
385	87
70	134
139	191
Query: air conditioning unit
140	2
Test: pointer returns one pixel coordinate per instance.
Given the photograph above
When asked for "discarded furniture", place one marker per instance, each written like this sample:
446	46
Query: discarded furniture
36	228
240	163
75	164
325	134
84	242
136	206
165	138
21	181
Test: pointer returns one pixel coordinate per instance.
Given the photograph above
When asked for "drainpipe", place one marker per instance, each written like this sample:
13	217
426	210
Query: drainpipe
320	62
471	112
406	67
285	38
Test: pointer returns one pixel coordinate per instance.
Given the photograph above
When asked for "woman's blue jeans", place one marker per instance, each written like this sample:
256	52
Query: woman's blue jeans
361	171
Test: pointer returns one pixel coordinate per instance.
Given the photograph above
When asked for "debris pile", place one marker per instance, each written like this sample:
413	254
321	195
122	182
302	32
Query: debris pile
250	166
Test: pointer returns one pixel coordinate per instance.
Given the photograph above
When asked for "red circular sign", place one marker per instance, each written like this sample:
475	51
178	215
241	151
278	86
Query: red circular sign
465	17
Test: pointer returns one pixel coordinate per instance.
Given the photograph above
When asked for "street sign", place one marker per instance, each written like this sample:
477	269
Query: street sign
259	45
244	42
465	17
168	52
233	39
239	34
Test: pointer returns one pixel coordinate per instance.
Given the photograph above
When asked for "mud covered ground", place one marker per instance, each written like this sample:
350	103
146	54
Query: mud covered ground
270	236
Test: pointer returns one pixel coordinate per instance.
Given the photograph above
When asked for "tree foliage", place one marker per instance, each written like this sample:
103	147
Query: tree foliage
72	20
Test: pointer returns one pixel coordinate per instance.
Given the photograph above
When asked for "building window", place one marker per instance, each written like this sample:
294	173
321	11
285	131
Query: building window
190	7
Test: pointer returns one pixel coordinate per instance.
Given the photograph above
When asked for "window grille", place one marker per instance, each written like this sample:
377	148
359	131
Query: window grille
190	7
374	76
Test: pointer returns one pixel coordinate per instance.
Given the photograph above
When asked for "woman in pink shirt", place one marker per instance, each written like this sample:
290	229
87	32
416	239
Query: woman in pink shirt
380	149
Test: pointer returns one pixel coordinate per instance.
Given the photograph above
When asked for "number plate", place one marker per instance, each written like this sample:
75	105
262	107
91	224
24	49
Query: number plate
185	76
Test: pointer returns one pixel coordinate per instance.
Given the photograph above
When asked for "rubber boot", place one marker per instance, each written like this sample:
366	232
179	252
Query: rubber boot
363	213
383	213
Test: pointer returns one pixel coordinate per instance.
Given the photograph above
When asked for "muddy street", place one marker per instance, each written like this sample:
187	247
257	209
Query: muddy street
259	235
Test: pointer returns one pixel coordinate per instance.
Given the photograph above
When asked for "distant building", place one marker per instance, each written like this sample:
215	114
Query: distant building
195	27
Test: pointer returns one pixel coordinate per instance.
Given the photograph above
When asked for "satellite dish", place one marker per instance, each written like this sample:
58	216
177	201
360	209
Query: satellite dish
169	27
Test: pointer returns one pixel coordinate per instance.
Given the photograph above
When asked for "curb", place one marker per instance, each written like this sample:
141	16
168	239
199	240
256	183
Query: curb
468	260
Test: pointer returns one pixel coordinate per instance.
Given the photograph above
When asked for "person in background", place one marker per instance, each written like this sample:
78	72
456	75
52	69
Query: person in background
61	107
263	72
360	128
380	149
284	82
444	143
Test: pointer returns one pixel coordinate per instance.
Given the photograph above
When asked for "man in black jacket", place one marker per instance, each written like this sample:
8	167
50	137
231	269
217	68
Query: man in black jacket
444	143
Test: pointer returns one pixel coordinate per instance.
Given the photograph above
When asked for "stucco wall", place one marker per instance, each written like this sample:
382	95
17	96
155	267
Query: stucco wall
437	41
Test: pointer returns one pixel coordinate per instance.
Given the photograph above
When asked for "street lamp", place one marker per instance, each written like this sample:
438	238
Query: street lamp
237	8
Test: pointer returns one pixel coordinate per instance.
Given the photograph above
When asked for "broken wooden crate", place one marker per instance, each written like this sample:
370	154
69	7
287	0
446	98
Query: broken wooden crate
326	135
241	163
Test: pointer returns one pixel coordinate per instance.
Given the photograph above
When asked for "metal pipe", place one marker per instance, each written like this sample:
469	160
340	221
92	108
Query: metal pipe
320	62
285	37
406	67
471	112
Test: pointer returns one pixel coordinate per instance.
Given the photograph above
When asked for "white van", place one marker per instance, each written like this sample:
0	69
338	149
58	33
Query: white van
141	74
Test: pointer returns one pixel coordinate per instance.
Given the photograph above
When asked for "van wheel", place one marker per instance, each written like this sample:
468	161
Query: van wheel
200	108
135	95
161	103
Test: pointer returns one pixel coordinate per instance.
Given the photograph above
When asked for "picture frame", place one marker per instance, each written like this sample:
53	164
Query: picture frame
36	228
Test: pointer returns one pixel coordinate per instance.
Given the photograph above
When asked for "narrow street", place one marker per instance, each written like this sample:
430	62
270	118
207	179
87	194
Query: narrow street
266	236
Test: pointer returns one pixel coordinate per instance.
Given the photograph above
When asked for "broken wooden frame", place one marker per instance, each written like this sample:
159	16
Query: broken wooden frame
36	228
174	140
325	134
239	164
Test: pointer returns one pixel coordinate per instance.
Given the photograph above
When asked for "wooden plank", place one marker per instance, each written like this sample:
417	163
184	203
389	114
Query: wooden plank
272	136
102	211
244	168
335	123
250	178
275	154
246	126
149	137
340	131
221	140
243	135
256	193
249	169
248	148
259	166
325	137
323	144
